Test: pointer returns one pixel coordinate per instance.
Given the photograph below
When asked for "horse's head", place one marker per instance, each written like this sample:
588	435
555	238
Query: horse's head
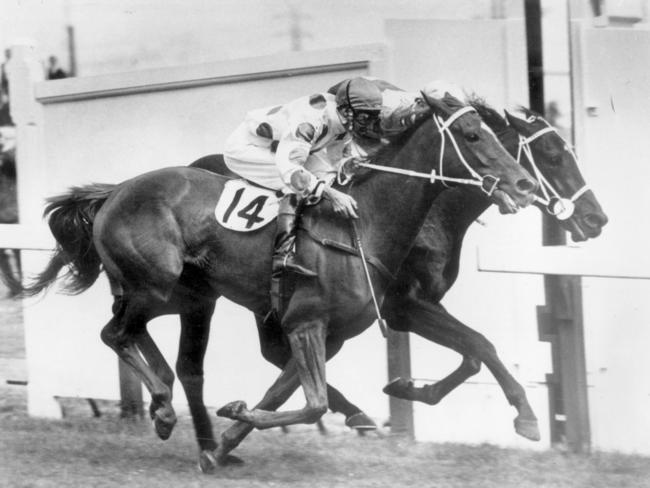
564	193
476	147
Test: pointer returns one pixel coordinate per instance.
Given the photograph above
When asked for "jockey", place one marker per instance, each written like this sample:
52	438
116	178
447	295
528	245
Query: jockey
296	147
293	148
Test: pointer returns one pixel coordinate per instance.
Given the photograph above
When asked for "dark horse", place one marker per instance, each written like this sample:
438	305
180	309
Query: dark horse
157	239
412	303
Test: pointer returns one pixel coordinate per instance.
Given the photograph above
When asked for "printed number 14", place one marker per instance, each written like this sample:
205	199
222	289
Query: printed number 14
250	213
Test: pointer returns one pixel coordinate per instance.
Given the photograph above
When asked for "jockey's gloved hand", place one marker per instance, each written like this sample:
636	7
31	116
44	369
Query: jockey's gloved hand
359	160
342	203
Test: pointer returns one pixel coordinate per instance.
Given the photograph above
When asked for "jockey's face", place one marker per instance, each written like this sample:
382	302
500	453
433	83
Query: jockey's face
365	123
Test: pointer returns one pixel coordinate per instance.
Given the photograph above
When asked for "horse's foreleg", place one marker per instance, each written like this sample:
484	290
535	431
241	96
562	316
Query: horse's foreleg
308	349
121	334
434	323
276	350
195	331
285	385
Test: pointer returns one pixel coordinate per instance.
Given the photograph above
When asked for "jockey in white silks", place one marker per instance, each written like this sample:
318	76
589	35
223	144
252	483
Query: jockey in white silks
296	147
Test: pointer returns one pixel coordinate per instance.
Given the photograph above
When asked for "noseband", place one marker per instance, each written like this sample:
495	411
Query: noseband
487	183
561	208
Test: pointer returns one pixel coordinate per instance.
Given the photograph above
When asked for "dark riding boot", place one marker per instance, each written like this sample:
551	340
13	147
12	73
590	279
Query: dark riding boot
285	239
284	255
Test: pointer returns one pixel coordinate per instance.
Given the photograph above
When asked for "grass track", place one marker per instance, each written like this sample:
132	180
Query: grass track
109	452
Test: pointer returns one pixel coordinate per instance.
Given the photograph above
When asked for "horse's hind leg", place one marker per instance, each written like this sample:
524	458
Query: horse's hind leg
161	369
433	322
195	331
276	350
121	334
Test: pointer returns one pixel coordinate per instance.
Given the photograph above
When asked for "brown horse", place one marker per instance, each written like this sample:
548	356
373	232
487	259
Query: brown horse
412	303
159	243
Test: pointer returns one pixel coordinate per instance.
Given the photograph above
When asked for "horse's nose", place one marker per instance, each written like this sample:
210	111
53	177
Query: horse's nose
595	220
526	185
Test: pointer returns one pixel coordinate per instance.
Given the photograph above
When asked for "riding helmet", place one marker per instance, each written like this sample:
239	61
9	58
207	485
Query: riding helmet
359	94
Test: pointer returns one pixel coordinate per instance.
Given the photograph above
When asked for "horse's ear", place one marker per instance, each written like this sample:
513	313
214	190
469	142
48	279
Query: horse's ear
517	123
440	106
492	117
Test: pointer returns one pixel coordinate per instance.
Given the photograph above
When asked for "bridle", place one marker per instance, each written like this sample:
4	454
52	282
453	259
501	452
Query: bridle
561	208
487	183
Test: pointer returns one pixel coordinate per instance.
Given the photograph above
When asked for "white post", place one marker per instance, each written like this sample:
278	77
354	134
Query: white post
24	71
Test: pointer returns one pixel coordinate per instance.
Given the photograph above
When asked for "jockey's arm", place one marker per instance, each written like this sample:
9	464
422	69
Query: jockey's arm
290	159
291	155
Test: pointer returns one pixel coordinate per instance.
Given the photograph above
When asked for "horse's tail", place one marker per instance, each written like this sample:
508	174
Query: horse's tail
70	217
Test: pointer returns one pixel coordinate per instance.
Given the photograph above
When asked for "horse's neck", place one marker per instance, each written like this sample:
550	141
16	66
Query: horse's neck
393	209
440	239
457	208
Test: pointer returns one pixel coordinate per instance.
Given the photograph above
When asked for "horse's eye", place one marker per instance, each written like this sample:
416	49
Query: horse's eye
471	137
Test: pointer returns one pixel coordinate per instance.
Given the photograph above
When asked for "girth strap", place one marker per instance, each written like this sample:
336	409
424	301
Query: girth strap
324	241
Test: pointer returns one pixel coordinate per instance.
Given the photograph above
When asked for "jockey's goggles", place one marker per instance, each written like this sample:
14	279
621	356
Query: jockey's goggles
364	117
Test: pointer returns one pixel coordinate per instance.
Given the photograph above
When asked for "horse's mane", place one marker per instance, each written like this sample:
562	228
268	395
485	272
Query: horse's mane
388	151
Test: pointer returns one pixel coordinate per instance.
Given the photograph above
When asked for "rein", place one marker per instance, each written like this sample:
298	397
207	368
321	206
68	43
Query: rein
354	251
487	183
559	207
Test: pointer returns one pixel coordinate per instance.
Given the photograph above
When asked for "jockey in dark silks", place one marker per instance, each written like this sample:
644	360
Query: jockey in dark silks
296	149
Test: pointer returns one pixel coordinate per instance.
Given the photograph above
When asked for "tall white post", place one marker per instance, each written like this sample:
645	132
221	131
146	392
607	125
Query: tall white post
24	71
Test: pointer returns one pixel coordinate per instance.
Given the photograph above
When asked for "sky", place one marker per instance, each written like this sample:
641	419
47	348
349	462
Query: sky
124	35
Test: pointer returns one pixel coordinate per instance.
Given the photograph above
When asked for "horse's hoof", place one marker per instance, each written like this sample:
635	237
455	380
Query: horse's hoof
399	388
360	422
207	462
527	429
164	425
232	410
225	459
230	460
